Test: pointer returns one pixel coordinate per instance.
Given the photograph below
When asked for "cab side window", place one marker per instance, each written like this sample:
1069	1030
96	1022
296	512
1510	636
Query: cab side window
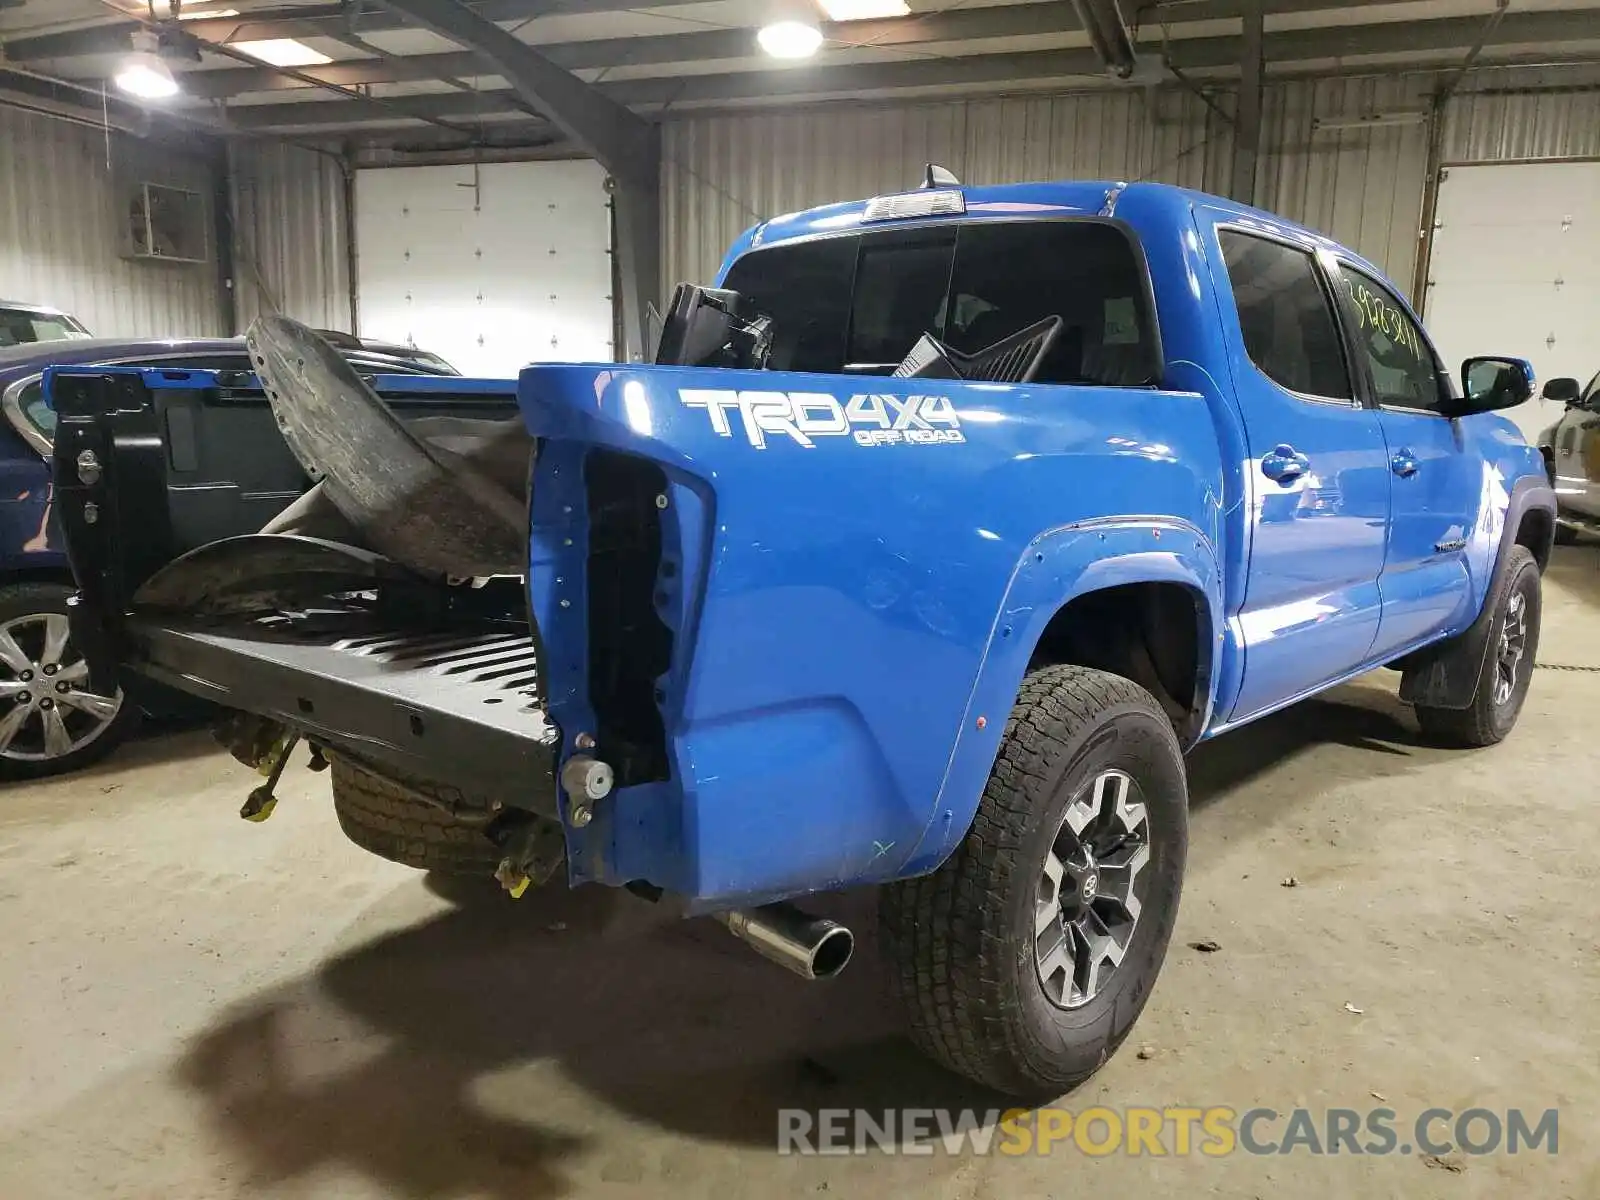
1399	359
1286	316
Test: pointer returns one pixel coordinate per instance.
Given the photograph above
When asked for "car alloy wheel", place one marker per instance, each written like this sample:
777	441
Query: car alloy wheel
1089	894
47	708
1513	644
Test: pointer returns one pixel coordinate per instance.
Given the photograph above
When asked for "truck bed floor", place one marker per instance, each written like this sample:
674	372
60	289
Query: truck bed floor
460	704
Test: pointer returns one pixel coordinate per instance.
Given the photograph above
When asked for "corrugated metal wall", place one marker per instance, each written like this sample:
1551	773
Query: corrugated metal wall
722	174
1510	122
60	231
60	243
291	235
1363	187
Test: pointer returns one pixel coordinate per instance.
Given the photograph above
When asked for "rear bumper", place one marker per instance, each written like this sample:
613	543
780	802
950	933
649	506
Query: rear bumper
414	703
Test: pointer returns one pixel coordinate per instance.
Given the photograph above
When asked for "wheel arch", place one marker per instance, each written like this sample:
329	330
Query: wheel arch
1066	576
1156	633
1537	531
1429	680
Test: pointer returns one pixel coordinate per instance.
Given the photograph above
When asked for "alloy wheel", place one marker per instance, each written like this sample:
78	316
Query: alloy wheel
1089	893
1512	646
47	708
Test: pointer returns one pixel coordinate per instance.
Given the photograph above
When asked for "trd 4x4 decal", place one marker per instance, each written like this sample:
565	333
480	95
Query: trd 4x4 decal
802	416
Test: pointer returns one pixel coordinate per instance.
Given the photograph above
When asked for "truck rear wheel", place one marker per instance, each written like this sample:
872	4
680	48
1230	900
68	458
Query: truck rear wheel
1023	962
394	820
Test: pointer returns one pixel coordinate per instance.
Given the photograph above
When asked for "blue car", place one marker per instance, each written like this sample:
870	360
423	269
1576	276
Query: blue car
52	719
939	531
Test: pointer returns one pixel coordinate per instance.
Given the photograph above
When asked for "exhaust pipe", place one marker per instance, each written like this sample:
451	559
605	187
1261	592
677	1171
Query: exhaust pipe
811	947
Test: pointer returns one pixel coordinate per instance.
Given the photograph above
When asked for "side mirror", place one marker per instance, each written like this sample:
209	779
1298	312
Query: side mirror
1565	391
1495	383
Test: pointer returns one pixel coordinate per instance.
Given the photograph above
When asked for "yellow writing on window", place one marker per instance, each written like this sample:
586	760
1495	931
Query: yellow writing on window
1375	312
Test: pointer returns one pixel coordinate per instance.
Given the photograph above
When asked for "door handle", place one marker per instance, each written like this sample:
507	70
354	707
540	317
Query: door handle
1404	463
1285	465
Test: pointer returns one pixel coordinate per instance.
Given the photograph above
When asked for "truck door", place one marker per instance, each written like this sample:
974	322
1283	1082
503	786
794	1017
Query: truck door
1435	481
1317	480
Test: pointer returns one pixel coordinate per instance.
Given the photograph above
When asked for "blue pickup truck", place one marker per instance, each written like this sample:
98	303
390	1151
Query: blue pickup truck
937	533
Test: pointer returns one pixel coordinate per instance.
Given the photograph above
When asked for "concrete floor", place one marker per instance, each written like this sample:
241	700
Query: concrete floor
193	1007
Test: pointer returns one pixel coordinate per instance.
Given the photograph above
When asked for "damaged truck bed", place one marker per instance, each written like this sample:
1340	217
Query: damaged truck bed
310	621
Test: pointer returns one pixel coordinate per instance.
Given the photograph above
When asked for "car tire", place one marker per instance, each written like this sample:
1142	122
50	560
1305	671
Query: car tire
971	948
1502	685
33	649
409	822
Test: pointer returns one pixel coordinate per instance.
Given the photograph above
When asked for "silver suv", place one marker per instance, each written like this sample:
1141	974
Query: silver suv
24	323
1571	449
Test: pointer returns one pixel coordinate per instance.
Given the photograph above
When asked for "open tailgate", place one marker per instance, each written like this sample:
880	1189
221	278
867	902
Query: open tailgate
154	464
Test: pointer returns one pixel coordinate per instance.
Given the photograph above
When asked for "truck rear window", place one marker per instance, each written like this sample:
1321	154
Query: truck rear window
857	303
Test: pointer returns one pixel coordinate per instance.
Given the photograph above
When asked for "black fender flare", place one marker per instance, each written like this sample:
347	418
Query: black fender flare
1445	675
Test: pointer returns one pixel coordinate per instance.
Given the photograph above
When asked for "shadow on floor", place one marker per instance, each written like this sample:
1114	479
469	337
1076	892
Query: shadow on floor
1361	716
673	1025
377	1061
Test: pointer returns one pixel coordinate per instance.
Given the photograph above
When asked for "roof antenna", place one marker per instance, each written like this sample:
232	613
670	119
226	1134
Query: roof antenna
939	177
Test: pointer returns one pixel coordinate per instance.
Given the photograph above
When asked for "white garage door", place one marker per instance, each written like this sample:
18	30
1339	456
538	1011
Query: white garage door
492	267
1516	270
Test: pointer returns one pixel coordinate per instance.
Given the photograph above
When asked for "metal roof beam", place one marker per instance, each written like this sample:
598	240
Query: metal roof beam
619	139
321	20
961	25
1009	20
1541	28
1247	112
1308	45
625	144
400	68
1108	34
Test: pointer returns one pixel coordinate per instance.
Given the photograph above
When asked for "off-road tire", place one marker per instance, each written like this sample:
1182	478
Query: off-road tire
959	943
30	599
1484	722
390	818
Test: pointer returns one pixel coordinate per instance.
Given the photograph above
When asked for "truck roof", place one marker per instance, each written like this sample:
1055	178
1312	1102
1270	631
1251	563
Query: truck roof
999	201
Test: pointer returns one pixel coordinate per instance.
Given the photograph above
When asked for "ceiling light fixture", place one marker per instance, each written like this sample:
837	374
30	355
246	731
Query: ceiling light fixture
142	73
1371	120
790	39
864	10
282	52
